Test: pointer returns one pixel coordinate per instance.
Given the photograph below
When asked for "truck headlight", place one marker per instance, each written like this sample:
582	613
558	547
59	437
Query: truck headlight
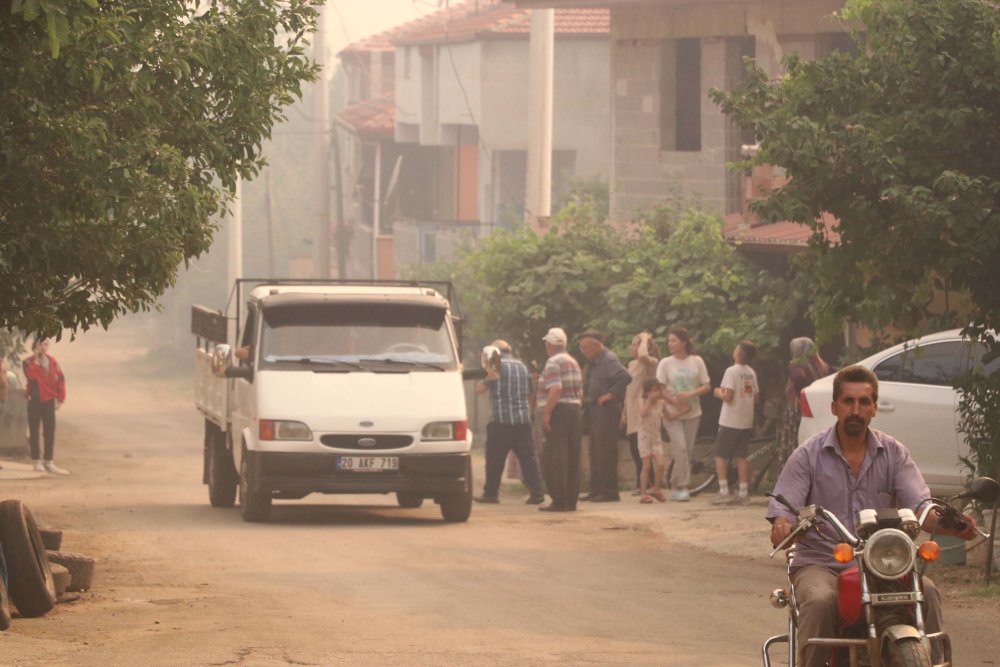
444	431
279	429
889	554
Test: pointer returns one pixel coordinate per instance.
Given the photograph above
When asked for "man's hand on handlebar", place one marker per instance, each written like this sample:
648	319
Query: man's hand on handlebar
781	528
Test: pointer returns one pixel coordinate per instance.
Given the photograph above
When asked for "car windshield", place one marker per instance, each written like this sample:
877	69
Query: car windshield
345	337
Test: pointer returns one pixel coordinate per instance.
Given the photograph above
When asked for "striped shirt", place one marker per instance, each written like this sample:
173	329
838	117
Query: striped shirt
509	393
561	370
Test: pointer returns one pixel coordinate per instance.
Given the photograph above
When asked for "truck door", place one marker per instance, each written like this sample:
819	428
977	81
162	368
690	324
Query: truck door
244	396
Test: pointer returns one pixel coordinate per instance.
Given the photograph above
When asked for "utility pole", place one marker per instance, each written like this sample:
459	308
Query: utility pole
538	199
321	119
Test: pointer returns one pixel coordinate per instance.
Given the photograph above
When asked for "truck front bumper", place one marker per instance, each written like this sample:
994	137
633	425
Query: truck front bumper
294	475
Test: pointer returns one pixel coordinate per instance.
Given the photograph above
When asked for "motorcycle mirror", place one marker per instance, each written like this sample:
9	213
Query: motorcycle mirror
983	489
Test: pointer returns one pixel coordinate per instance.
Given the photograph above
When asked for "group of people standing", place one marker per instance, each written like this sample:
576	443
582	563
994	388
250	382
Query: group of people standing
45	391
649	394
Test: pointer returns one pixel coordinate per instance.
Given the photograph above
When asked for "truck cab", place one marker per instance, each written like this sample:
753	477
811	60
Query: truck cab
335	388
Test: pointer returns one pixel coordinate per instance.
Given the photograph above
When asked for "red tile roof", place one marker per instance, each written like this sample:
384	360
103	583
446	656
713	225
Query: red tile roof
474	19
776	236
374	118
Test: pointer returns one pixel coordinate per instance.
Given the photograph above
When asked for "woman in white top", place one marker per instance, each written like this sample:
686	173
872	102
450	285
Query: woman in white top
685	376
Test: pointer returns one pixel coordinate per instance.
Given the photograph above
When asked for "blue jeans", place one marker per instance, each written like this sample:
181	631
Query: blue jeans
501	439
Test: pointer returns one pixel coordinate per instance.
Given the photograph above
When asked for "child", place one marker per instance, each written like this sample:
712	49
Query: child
651	406
738	393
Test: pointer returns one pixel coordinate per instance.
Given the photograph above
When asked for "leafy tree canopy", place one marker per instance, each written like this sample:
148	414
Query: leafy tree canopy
112	153
674	268
900	142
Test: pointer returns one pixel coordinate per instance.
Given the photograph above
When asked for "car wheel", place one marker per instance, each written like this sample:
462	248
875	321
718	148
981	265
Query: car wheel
409	500
30	581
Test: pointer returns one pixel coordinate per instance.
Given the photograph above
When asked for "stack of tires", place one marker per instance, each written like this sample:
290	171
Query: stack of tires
33	573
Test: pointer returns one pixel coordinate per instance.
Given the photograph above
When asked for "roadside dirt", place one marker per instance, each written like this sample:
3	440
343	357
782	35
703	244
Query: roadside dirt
358	581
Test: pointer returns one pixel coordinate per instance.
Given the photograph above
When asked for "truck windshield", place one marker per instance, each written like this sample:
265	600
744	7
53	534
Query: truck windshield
345	337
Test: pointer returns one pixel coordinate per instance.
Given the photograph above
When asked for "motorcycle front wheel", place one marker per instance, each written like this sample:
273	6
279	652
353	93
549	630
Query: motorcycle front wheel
908	652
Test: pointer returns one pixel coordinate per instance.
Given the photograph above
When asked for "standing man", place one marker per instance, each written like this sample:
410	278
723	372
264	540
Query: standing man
847	468
607	380
46	392
510	427
561	420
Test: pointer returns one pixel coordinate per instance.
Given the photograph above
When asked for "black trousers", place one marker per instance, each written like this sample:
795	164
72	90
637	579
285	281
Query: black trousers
561	456
603	454
44	415
633	449
500	440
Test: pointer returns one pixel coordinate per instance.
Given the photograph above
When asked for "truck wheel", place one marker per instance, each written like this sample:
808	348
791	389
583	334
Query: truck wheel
51	538
409	500
81	569
222	478
255	506
29	578
456	507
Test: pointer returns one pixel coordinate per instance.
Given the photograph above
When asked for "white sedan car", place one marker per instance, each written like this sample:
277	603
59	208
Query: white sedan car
916	403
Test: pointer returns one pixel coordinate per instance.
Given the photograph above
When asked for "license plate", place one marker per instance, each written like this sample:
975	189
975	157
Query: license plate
367	463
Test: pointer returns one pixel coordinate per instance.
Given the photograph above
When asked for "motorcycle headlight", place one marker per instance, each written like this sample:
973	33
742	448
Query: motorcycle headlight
889	554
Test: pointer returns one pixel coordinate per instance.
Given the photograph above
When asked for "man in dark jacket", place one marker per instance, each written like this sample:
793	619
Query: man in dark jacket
607	379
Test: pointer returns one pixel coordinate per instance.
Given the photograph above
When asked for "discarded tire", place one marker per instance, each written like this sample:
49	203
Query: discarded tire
4	606
30	583
51	538
81	569
61	577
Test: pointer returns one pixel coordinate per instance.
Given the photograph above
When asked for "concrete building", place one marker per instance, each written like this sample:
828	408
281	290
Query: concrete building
454	163
668	138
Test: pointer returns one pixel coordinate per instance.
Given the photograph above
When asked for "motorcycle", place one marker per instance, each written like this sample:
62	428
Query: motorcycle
878	597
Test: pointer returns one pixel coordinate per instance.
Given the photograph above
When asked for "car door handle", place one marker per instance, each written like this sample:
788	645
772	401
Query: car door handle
886	407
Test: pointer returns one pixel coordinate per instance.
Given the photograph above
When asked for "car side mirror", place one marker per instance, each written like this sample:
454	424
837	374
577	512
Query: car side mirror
244	372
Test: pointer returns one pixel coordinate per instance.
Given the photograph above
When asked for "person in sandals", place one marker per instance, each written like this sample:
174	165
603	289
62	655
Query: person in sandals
650	446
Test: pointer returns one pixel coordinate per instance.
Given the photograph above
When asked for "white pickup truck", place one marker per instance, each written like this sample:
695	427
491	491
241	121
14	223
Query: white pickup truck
333	387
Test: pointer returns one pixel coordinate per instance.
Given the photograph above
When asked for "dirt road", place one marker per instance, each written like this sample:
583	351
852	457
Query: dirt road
335	580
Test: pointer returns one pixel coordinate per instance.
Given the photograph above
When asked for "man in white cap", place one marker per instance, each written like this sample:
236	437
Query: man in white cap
562	383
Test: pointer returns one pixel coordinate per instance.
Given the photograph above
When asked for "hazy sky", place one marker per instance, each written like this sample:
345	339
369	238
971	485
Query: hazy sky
351	20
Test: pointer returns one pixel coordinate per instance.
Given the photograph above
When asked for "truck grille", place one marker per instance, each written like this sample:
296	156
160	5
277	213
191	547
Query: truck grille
364	442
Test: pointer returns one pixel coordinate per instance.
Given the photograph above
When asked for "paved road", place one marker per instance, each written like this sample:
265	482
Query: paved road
350	581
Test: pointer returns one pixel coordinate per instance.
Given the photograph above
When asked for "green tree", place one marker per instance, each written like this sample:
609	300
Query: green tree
899	142
112	154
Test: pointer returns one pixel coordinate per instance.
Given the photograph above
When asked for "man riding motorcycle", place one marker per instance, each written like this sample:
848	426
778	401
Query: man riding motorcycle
847	468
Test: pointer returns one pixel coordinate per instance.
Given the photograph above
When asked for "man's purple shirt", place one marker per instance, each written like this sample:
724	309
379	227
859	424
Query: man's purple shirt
818	474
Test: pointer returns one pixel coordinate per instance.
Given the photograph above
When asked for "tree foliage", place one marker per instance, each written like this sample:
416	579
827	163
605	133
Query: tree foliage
112	154
900	144
674	268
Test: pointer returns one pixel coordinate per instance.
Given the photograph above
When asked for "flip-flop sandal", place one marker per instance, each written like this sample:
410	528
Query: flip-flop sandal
645	500
660	497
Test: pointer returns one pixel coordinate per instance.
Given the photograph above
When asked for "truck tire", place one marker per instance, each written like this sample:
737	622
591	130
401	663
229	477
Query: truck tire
30	581
255	506
81	569
222	477
61	577
456	507
409	500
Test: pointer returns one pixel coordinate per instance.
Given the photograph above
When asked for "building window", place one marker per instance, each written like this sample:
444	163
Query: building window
680	95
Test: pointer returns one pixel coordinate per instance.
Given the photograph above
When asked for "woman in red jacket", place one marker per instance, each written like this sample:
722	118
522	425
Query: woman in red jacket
46	392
